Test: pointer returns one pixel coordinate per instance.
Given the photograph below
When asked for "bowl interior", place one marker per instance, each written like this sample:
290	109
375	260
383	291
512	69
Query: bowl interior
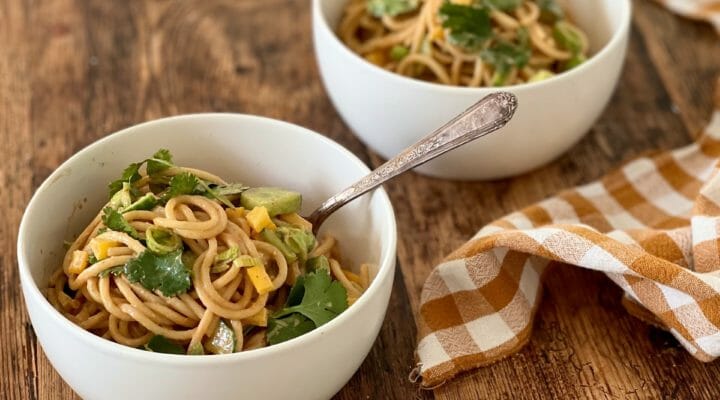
599	19
252	150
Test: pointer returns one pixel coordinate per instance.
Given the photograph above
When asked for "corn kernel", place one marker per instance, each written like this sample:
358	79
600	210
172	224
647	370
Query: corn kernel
259	319
259	219
377	57
100	247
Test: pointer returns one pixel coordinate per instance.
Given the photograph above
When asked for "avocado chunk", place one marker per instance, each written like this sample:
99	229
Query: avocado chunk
276	200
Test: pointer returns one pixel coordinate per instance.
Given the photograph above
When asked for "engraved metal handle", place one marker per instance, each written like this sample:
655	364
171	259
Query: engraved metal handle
486	116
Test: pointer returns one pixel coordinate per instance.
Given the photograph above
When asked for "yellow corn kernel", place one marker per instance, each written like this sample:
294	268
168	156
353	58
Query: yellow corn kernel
296	220
377	57
259	219
238	212
260	279
100	247
78	262
259	319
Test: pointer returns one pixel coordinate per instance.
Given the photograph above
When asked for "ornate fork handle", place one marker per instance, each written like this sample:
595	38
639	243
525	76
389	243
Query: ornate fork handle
486	116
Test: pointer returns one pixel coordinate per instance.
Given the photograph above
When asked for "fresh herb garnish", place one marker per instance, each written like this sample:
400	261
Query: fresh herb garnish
550	11
505	56
160	161
160	344
115	271
130	175
391	8
147	202
182	184
116	222
228	190
469	25
164	272
314	300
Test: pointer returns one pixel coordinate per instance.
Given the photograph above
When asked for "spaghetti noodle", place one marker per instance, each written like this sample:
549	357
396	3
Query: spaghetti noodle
173	263
465	42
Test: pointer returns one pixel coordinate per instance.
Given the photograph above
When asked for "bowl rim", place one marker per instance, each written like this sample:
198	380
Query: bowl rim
320	20
30	288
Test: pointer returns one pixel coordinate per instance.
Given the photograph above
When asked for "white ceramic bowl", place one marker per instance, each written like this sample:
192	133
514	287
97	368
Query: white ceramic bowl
390	112
241	148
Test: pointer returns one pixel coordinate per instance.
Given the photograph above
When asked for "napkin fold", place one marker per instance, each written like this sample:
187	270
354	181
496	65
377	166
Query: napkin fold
652	226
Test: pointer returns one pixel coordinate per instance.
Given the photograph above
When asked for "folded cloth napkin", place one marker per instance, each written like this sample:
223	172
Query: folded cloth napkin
705	10
652	226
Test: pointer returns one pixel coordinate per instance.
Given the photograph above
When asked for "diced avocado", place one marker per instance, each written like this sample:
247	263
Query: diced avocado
271	237
574	61
147	202
276	200
223	341
568	36
541	75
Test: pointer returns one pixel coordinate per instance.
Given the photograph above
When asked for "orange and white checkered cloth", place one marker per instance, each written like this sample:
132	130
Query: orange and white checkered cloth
653	227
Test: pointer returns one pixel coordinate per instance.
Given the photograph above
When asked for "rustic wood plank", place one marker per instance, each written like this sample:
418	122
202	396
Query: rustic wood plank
608	363
72	71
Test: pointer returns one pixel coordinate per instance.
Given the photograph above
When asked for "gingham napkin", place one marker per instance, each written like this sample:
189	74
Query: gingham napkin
652	226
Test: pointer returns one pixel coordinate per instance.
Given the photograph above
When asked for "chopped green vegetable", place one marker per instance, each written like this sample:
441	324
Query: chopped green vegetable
160	344
568	37
290	327
505	56
164	272
161	240
223	340
398	52
574	61
227	256
207	191
550	11
323	299
247	261
146	202
130	175
504	5
469	25
160	161
391	8
122	198
298	240
271	237
196	350
115	271
116	222
276	200
92	259
318	263
541	76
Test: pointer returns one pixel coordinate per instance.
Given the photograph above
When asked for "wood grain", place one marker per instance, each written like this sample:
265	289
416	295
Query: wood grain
72	71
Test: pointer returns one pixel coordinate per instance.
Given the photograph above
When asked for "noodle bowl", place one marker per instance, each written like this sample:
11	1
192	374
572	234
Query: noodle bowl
465	42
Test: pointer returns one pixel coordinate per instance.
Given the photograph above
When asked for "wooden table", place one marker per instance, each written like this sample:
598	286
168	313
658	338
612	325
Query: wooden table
72	71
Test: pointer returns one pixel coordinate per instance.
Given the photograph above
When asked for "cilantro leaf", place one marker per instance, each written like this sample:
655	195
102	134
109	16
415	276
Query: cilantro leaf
322	299
469	26
550	11
182	184
390	8
160	161
229	189
160	344
115	271
130	175
116	222
505	56
165	272
146	202
504	5
284	329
